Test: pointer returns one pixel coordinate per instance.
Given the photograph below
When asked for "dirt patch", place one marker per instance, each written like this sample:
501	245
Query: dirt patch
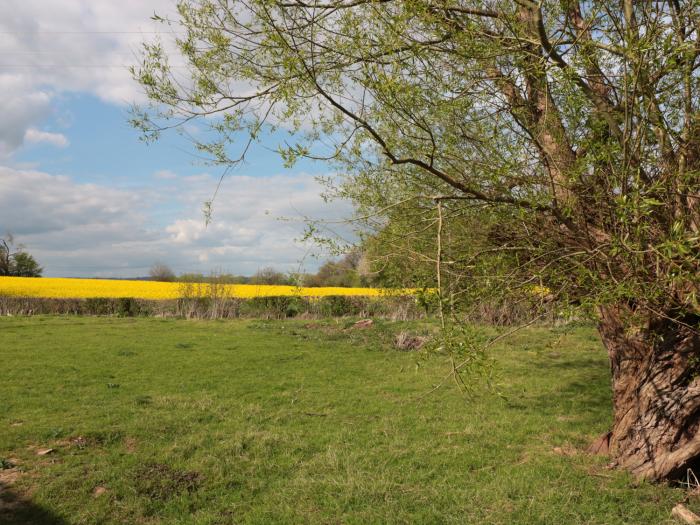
407	342
131	445
96	439
8	476
9	501
161	482
565	450
79	442
7	463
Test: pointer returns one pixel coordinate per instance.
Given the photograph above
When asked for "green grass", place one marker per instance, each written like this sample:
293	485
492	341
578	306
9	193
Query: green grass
283	422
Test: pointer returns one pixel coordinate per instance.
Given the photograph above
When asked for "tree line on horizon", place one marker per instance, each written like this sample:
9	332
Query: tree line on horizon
350	270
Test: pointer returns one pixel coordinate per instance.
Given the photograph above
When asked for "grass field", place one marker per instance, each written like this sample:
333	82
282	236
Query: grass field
172	422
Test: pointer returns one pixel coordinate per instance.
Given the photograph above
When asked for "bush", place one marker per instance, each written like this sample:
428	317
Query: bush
100	306
337	306
274	307
127	307
215	307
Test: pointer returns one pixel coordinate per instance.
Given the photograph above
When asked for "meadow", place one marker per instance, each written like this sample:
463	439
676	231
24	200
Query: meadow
164	421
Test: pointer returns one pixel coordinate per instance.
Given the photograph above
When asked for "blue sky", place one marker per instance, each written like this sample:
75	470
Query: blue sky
88	198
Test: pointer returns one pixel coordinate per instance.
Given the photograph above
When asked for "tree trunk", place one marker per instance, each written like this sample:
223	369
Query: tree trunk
656	394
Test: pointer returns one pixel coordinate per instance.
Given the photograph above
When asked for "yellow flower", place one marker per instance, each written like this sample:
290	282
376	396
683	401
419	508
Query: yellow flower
86	288
540	291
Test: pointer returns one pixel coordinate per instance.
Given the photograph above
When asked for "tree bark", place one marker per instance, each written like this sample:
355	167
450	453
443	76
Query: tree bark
656	393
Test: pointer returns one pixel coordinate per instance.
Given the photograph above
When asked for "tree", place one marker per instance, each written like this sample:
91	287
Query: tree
269	275
15	262
570	128
5	255
346	272
161	272
26	266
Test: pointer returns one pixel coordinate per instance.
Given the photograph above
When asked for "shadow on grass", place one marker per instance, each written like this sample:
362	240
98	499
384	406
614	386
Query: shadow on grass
582	387
586	395
17	510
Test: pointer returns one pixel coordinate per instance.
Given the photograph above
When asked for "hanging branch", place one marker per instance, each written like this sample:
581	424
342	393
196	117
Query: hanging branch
438	262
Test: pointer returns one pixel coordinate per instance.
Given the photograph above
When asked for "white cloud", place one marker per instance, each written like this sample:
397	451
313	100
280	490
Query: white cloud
89	230
36	203
56	139
165	175
56	47
50	48
22	105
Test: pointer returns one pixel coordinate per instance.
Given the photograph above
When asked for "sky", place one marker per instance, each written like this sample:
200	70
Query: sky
87	198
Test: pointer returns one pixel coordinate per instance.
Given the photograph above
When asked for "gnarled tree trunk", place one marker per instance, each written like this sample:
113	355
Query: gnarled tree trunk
656	393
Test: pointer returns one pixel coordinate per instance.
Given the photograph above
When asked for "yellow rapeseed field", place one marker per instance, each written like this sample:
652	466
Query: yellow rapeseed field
85	288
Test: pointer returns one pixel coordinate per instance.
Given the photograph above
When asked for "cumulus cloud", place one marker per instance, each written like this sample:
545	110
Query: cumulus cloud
69	46
22	106
56	139
77	46
257	221
90	230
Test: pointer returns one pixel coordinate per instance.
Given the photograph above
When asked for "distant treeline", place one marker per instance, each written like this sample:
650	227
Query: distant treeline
349	271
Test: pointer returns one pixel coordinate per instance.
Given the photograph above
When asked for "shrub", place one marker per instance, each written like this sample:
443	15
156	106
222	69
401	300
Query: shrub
128	307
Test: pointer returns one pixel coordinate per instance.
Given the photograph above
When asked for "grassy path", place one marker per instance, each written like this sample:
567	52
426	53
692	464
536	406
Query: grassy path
173	422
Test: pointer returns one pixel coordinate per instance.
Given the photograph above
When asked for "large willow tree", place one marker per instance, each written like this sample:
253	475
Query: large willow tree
571	127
